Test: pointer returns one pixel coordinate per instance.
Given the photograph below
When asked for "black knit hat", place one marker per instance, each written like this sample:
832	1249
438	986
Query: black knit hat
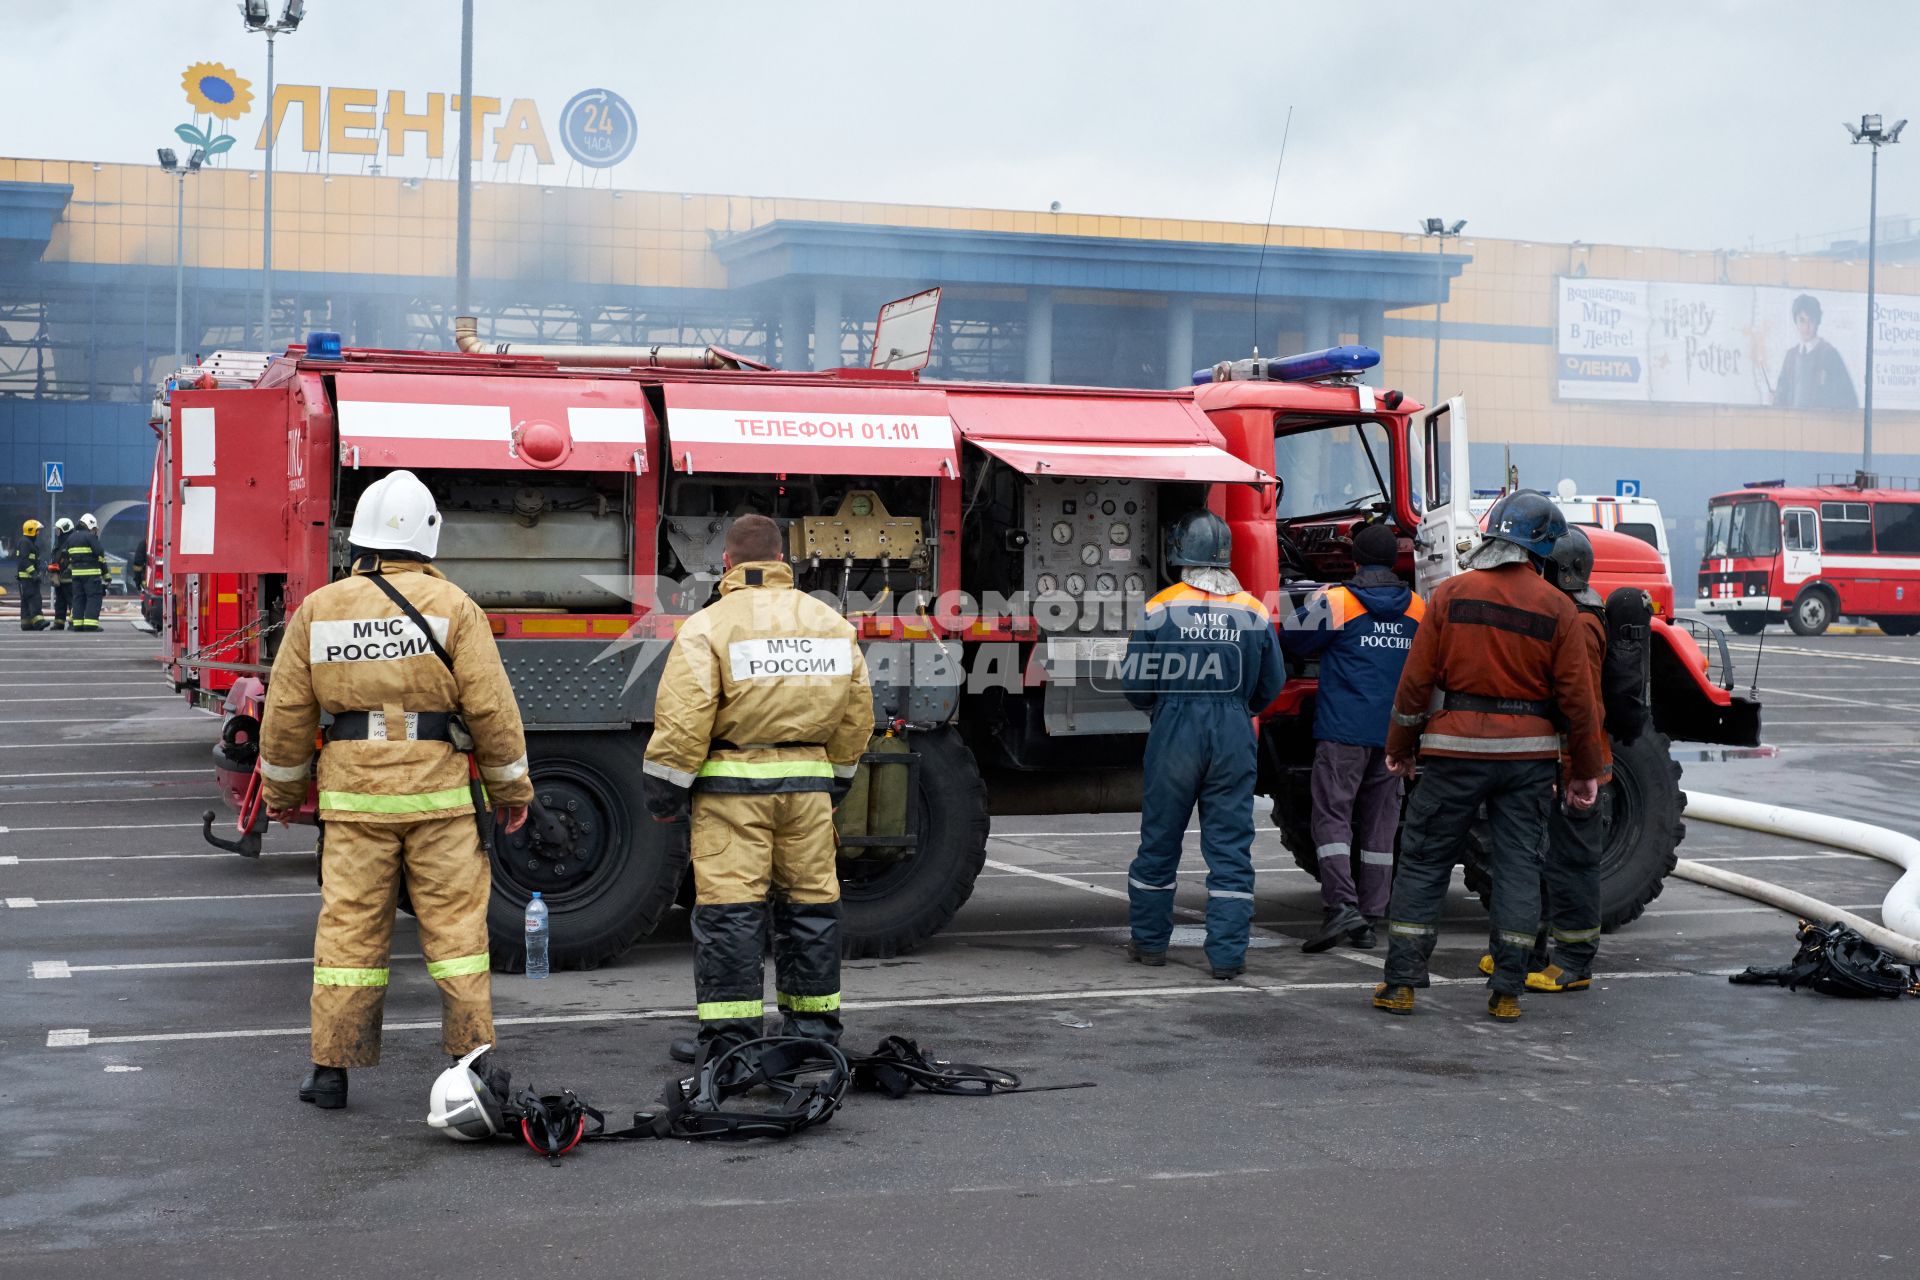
1376	544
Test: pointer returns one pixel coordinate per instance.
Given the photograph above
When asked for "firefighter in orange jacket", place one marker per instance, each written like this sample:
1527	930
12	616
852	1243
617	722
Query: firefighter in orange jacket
1499	661
412	688
763	712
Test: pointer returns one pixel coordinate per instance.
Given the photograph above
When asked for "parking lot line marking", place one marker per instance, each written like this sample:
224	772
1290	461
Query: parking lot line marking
1827	697
124	697
98	745
1787	857
109	720
63	969
185	897
1071	883
8	860
104	826
188	798
158	857
119	773
80	1037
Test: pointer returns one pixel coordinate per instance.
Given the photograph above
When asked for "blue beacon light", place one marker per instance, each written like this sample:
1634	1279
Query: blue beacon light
323	344
1311	366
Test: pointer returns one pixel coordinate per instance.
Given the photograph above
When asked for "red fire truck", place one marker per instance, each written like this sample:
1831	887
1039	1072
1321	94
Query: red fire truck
989	542
1812	555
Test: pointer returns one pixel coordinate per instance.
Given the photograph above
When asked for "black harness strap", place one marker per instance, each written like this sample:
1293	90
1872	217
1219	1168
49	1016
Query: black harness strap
428	726
1452	701
1502	617
406	606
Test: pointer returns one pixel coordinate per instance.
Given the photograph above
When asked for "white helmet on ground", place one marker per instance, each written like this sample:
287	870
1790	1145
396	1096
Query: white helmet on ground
397	513
461	1106
88	522
63	525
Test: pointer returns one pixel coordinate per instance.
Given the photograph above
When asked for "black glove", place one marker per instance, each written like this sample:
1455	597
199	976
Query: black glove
665	801
838	791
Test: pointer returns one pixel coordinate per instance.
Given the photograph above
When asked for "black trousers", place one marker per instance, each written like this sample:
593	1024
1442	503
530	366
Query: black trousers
1518	795
62	601
88	592
30	616
1570	891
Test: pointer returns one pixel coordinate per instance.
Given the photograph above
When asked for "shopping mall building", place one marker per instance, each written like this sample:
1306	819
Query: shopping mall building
1606	364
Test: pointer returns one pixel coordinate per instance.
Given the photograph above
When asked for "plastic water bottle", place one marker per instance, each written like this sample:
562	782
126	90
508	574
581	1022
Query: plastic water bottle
537	934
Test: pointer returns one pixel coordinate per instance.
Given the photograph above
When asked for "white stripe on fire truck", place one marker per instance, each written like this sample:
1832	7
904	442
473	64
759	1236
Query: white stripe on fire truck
398	420
607	426
1107	450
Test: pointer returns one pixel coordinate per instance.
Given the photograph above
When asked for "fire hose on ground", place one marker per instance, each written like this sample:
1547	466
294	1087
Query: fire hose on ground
1899	936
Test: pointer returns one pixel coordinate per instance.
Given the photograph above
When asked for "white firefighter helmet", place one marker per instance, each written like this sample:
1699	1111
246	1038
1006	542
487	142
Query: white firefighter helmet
397	514
461	1106
63	525
88	522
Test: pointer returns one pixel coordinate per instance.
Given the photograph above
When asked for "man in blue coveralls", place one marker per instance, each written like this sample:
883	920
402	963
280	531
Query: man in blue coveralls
1202	662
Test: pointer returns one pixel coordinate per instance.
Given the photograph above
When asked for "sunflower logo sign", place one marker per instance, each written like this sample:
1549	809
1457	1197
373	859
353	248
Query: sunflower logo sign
222	95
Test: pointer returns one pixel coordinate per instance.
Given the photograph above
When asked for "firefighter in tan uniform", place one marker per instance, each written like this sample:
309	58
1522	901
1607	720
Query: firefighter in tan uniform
396	793
763	712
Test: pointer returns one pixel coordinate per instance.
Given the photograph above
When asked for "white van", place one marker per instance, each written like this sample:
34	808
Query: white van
1636	517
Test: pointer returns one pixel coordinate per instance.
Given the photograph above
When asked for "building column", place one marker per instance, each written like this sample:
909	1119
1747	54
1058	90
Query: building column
1039	335
826	326
1372	331
1179	340
1319	334
793	331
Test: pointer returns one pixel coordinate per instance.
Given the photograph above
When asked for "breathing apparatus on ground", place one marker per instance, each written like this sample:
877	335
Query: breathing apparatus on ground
807	1080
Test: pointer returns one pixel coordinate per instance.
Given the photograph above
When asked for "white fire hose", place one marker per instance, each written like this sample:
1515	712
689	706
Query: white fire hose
1900	935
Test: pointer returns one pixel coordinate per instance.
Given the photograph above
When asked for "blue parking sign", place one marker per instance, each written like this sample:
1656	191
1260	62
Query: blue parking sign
56	477
1626	488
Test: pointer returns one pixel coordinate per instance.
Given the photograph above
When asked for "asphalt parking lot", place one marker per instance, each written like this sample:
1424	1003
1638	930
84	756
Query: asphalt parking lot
152	1029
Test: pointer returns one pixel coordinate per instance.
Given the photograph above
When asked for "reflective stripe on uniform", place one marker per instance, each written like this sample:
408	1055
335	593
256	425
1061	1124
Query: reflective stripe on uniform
1407	721
845	771
86	573
1576	935
284	772
458	967
809	1004
1341	850
678	777
1152	888
765	769
1407	929
1517	939
327	976
1488	746
504	772
727	1010
366	802
1376	858
1229	893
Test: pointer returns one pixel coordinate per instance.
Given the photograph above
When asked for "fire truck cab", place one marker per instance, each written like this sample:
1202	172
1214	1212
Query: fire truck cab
991	543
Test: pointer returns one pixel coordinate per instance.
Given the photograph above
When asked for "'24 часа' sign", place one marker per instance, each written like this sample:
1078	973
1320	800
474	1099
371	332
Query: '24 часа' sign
598	128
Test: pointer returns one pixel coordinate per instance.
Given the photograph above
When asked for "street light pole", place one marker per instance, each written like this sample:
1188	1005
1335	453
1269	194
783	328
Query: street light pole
1441	231
1870	132
170	163
257	15
463	215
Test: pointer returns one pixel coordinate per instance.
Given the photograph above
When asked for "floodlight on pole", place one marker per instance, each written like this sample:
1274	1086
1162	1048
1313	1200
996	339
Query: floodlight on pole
1870	132
170	163
1441	231
257	15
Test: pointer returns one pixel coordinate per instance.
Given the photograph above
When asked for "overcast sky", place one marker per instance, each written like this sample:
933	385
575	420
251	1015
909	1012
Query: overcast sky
1697	123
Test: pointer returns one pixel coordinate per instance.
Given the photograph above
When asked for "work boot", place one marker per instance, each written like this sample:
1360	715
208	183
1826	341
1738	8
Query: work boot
1334	927
59	626
325	1087
1504	1007
1367	936
1151	959
1486	965
1555	980
1392	998
683	1049
1227	972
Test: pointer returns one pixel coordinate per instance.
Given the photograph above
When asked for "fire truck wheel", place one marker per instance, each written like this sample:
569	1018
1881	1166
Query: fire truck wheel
891	906
1899	626
607	871
1813	612
1293	814
1641	808
1748	624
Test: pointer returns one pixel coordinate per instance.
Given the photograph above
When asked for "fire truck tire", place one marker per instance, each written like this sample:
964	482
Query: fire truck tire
1899	626
607	871
1641	807
1748	624
1293	815
889	908
1813	612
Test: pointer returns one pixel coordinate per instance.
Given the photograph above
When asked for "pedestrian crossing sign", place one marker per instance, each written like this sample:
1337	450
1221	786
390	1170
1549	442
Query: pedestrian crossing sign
56	477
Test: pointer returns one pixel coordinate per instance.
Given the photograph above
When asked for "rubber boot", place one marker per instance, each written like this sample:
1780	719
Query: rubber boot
683	1049
729	972
325	1087
806	968
1337	924
1151	959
